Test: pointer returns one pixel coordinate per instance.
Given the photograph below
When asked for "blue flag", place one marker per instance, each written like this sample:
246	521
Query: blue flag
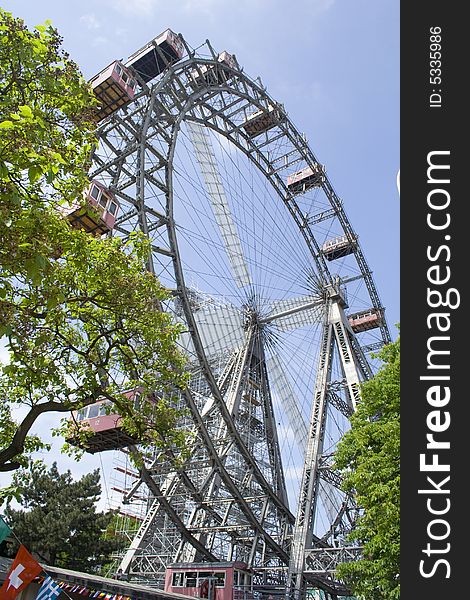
49	590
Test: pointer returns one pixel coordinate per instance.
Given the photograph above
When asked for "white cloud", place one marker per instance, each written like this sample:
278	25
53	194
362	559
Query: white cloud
121	33
100	41
137	7
206	7
90	21
251	7
145	8
93	24
319	6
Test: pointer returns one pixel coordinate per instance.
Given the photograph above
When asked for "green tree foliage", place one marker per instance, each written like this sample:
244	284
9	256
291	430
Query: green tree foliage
79	315
60	522
369	457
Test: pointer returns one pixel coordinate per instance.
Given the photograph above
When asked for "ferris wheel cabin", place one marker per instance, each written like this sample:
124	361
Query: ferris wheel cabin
214	581
306	178
98	215
215	74
262	120
114	87
107	433
338	247
153	58
366	320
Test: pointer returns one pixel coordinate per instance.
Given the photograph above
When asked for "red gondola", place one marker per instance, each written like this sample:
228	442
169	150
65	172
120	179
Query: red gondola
114	87
105	425
215	581
153	58
366	319
98	215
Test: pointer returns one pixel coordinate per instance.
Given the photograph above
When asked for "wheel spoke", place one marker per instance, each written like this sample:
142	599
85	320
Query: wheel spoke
228	231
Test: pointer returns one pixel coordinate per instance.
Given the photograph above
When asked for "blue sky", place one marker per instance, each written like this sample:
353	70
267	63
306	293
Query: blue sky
333	63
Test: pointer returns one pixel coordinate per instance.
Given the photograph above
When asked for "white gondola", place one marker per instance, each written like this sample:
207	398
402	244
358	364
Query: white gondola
338	247
215	74
262	120
306	178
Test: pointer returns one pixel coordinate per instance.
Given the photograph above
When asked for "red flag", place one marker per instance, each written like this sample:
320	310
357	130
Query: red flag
23	570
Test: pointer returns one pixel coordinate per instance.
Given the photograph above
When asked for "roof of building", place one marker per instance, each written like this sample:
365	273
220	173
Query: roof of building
102	584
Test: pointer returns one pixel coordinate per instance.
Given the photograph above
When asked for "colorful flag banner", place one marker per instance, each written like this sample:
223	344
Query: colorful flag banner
49	590
91	592
4	530
22	571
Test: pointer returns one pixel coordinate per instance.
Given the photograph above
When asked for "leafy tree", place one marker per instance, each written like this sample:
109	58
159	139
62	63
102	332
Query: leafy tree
369	456
80	315
60	522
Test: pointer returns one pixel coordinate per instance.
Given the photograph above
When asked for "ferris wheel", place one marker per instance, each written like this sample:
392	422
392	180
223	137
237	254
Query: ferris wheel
279	307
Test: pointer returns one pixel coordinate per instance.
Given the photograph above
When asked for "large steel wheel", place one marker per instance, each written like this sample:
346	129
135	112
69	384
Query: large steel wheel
264	271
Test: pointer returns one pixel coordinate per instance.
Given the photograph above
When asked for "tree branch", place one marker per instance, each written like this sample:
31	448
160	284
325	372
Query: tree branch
17	444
